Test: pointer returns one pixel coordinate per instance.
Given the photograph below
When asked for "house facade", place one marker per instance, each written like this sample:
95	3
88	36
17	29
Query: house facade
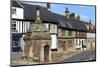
17	13
67	34
91	40
20	25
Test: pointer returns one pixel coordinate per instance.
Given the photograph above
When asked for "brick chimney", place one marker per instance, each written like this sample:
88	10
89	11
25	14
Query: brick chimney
48	6
78	17
90	21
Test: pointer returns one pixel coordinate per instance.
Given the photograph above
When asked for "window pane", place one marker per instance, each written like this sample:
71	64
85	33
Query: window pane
63	32
13	11
69	33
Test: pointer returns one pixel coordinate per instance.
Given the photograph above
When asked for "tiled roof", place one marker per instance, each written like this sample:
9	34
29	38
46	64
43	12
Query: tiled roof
50	17
45	15
15	4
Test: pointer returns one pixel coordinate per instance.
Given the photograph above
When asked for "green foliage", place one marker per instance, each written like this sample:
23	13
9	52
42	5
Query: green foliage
72	15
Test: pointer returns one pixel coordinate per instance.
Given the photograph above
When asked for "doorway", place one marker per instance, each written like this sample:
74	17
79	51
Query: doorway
46	53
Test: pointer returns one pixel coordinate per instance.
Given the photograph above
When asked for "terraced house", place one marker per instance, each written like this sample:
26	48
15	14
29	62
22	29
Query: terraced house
38	25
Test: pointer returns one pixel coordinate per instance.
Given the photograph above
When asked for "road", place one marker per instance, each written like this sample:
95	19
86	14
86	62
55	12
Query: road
83	56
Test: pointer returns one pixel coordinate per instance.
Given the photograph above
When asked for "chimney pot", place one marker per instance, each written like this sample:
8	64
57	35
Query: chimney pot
48	6
78	17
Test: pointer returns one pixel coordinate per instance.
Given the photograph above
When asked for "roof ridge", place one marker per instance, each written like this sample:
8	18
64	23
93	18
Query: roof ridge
19	4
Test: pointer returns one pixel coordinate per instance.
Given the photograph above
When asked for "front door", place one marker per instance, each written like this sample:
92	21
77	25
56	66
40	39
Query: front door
46	53
16	42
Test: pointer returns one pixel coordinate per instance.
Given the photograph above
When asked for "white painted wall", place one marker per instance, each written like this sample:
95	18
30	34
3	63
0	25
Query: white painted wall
54	41
90	35
66	33
79	43
22	43
90	40
19	13
47	26
53	28
19	27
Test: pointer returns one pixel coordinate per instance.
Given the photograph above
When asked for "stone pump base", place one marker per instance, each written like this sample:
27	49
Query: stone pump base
38	43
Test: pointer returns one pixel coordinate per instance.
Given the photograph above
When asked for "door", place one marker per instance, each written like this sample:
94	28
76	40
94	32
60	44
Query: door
83	45
46	53
64	46
15	45
16	42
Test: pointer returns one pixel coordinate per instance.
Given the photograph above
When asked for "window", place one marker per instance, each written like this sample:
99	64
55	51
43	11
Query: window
47	26
70	33
70	43
63	32
78	32
52	28
79	42
87	26
91	27
15	43
13	25
13	11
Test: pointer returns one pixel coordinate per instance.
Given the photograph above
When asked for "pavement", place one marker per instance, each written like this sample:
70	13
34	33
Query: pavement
17	60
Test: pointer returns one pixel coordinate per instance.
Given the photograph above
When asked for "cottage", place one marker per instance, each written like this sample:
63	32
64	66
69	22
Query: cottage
91	44
66	32
16	27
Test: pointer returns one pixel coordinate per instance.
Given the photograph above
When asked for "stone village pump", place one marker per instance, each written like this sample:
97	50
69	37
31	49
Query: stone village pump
38	41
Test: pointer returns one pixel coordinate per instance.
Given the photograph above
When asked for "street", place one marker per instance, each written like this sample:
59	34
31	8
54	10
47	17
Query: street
83	56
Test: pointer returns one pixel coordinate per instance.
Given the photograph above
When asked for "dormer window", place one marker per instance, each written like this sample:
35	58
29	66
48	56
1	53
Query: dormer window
91	27
87	26
13	10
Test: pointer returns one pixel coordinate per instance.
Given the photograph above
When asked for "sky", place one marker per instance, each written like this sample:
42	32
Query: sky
86	12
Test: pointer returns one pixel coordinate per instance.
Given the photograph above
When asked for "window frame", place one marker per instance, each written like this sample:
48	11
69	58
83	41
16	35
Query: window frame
14	11
63	32
13	25
70	33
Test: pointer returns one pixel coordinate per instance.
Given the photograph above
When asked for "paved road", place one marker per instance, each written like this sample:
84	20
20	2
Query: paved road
83	56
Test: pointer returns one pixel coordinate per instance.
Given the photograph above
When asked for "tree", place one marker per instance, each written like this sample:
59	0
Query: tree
72	15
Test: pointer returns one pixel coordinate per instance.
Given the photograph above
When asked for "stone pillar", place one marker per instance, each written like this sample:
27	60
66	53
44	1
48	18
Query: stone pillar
31	51
42	53
49	55
26	49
